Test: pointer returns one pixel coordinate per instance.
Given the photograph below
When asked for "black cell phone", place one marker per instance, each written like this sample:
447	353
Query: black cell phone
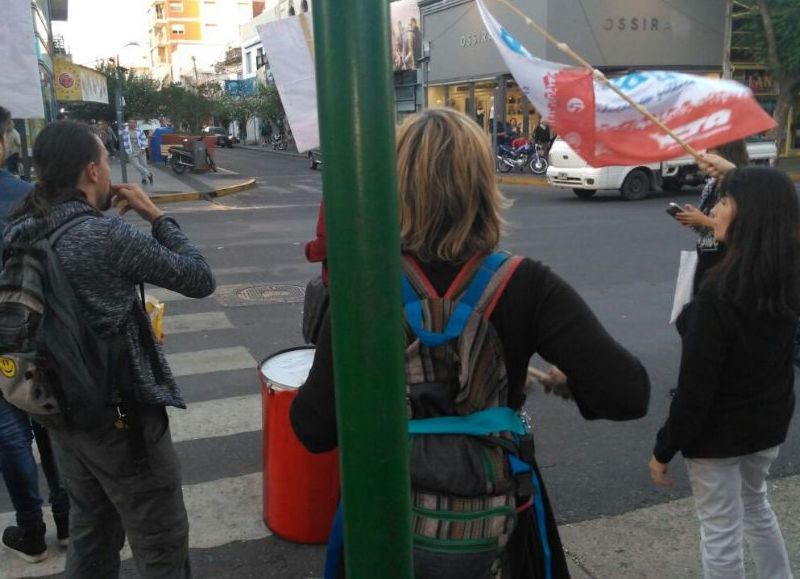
673	209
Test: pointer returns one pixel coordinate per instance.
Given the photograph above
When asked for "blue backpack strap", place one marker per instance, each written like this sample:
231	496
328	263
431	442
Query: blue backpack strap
335	551
481	423
464	307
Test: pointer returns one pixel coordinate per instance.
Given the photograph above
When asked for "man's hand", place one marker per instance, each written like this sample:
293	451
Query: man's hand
130	196
691	216
658	472
715	165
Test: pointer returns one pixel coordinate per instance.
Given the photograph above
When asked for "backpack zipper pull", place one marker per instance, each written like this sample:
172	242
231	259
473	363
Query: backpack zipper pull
121	423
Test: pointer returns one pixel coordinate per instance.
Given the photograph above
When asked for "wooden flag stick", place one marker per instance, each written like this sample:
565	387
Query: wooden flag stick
599	76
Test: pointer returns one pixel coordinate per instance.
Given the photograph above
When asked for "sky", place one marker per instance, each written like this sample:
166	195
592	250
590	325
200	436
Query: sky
99	28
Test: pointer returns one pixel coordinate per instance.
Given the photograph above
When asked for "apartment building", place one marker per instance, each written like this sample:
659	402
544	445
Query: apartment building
186	37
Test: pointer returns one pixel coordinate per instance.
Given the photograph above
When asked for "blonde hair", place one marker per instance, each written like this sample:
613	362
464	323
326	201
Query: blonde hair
450	205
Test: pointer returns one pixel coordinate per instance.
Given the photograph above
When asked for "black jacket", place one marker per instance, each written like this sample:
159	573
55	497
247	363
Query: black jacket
735	392
538	312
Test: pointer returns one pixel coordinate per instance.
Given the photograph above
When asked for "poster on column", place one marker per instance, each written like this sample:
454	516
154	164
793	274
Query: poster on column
20	87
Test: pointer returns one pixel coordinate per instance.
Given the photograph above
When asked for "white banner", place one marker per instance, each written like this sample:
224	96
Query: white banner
20	88
289	47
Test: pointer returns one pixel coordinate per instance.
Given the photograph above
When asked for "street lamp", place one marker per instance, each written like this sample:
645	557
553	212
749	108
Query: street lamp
120	103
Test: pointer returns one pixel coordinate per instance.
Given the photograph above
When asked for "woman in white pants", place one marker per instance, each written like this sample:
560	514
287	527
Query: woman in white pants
735	394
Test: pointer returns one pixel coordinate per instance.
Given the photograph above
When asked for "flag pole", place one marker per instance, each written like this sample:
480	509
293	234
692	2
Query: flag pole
600	77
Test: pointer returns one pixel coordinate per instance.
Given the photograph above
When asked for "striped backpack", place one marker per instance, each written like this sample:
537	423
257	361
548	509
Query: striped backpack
470	453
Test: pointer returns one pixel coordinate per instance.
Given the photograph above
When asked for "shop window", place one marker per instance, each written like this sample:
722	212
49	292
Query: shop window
291	10
248	62
304	6
436	96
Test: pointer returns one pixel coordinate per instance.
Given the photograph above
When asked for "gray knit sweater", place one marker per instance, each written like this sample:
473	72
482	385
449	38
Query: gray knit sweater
104	258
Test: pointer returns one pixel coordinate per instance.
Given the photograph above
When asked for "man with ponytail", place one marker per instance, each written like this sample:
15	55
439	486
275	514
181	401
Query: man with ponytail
122	475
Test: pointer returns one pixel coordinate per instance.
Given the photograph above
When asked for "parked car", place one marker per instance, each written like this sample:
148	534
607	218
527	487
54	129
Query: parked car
223	138
569	171
315	159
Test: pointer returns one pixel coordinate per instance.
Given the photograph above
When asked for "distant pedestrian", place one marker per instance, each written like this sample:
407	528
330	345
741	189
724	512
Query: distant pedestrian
13	151
123	476
18	465
266	130
107	136
135	142
735	397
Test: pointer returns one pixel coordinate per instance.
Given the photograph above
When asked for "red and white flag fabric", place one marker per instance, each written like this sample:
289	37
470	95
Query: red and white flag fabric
607	130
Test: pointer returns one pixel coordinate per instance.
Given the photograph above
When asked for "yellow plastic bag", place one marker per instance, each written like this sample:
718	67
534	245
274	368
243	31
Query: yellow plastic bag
155	311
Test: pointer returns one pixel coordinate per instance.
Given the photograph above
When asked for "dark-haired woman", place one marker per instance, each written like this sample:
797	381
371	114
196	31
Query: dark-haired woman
735	394
709	250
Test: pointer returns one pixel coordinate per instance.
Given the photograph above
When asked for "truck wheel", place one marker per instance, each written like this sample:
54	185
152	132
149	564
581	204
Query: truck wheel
672	184
636	186
584	193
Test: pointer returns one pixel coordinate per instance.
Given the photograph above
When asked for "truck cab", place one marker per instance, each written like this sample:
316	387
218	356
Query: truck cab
569	171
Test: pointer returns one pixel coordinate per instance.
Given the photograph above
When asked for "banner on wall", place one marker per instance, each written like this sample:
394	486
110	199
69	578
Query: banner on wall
78	83
406	34
20	85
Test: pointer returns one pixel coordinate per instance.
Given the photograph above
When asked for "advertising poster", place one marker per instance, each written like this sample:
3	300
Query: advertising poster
406	35
78	83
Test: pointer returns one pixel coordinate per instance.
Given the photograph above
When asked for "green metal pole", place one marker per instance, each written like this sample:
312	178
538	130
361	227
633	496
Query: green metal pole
355	94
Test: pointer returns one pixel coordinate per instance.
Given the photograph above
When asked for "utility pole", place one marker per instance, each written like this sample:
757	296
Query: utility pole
123	156
351	40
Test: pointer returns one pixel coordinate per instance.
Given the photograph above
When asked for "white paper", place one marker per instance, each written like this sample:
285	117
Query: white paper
288	45
20	89
684	283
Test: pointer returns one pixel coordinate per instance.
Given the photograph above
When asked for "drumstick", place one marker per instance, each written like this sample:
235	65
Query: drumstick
536	374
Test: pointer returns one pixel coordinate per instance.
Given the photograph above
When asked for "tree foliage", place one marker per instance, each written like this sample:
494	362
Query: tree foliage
771	31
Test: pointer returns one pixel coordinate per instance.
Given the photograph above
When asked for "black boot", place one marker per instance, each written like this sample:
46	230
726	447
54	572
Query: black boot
27	542
62	529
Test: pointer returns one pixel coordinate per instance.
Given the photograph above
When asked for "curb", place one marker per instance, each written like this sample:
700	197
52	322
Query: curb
169	197
522	180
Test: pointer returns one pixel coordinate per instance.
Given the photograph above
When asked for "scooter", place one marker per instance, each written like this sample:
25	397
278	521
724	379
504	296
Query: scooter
182	158
278	142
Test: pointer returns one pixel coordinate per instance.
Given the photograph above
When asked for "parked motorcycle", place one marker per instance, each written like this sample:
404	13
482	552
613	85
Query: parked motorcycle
182	158
278	142
528	155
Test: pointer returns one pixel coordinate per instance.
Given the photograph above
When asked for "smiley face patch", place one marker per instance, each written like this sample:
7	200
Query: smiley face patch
8	367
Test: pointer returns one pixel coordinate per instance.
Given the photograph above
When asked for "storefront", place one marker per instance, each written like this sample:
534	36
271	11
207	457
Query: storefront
465	71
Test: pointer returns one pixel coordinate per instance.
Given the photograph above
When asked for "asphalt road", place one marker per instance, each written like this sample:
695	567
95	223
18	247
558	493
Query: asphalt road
622	257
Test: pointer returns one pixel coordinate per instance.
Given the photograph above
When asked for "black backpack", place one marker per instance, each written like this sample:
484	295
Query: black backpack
52	364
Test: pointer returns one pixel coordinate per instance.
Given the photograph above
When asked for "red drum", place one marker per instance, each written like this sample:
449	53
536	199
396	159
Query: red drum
301	490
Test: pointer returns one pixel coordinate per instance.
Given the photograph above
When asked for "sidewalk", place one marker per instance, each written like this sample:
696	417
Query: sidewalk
662	542
169	187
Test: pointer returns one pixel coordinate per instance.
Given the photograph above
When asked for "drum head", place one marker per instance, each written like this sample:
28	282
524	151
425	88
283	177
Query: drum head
288	370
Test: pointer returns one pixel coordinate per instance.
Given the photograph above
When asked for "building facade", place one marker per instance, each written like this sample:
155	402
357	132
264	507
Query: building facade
464	70
187	37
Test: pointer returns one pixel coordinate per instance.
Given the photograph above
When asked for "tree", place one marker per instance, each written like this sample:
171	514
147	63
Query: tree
267	103
774	38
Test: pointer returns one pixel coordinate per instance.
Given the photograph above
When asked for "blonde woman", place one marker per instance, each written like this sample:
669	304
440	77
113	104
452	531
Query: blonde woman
451	217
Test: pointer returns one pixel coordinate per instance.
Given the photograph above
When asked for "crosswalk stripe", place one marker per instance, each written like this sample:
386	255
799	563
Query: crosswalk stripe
203	322
220	512
215	418
213	360
237	270
164	295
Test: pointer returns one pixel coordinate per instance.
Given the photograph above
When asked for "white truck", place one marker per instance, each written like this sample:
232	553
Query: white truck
569	171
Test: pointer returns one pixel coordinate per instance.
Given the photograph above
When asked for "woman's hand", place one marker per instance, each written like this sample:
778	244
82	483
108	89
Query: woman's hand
554	381
691	216
715	165
658	472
